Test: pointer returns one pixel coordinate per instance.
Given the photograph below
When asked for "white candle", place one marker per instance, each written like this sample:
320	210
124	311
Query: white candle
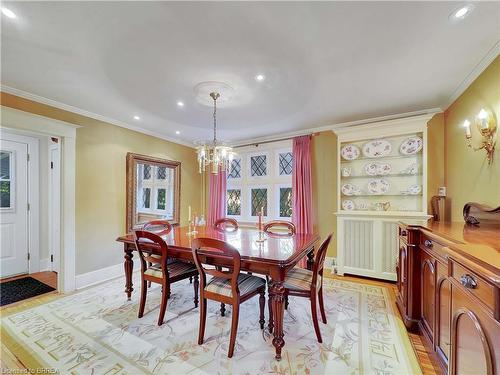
189	213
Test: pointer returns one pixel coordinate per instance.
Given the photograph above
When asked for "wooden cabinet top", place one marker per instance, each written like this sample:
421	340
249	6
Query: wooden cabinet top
479	244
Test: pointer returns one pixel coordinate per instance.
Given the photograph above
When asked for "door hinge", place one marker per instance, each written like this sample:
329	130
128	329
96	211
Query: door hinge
52	258
29	256
28	156
51	165
29	207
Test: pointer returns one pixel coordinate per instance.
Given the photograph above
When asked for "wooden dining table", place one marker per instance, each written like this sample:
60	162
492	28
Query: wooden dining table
274	257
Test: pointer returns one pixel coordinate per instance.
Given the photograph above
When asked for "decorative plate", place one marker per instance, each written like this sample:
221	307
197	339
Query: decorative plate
378	186
377	148
350	152
411	169
348	205
377	169
346	171
411	146
350	189
414	189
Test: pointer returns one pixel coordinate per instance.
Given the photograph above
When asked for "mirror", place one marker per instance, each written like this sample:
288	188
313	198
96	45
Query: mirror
153	190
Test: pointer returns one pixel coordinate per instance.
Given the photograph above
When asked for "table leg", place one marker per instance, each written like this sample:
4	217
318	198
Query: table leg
278	298
129	267
310	259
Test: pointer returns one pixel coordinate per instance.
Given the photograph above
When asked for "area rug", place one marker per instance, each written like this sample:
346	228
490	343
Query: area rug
23	288
96	331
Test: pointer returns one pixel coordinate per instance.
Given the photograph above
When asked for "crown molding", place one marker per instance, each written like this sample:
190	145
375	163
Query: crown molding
400	116
490	56
95	116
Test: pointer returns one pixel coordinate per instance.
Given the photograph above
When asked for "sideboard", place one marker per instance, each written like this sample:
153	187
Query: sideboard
448	289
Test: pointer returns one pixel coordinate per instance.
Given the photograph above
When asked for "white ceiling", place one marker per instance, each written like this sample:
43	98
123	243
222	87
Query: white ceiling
324	62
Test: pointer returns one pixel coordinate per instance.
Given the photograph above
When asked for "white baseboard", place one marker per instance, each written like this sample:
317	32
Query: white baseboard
45	265
104	274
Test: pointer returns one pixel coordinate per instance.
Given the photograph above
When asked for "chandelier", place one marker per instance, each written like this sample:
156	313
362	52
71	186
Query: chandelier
214	155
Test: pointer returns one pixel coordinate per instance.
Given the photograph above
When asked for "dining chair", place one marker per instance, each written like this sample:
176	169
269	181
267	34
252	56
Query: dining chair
227	286
226	223
158	271
280	225
300	282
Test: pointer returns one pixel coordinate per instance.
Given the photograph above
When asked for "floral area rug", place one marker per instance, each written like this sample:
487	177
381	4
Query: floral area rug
96	331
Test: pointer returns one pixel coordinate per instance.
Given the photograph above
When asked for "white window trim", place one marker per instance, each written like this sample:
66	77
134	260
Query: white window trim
272	181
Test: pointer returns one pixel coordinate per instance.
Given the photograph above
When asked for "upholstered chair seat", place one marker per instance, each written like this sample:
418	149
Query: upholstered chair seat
246	284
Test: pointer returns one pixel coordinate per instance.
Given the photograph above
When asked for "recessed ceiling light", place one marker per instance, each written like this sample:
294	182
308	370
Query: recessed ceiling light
177	132
8	13
136	117
462	12
260	77
180	104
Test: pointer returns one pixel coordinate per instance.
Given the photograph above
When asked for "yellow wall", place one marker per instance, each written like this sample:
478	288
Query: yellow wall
435	156
324	175
469	178
101	149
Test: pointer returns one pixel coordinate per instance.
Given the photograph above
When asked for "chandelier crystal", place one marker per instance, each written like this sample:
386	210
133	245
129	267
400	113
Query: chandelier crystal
215	155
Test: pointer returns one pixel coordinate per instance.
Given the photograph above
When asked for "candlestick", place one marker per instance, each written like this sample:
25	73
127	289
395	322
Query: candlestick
467	128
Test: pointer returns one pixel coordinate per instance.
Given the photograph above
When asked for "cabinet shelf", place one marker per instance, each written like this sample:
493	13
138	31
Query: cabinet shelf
381	159
383	176
381	195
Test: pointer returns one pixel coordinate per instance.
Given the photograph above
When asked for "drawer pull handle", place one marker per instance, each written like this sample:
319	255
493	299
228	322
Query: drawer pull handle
403	233
468	281
428	243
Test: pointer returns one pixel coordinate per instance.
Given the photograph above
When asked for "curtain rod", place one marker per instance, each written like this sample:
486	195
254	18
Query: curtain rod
273	140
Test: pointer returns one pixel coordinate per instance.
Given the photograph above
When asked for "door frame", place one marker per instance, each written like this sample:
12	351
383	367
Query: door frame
54	217
33	181
66	132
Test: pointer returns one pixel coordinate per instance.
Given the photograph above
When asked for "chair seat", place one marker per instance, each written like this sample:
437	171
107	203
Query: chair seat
246	284
175	269
300	279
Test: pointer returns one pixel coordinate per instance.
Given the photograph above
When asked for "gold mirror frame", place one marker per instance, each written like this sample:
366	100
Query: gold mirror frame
131	184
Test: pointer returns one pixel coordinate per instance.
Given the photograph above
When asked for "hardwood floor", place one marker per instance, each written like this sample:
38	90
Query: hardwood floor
427	360
46	277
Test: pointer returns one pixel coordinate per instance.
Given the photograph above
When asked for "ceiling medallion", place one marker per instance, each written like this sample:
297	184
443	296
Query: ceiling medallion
215	155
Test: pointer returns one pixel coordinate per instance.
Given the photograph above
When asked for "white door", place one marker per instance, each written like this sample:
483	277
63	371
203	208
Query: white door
55	206
13	208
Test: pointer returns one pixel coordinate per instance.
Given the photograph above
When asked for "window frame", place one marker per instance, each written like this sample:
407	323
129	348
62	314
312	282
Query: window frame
272	181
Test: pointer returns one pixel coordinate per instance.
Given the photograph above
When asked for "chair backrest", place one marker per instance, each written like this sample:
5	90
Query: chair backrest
223	255
289	226
160	227
225	223
319	262
145	242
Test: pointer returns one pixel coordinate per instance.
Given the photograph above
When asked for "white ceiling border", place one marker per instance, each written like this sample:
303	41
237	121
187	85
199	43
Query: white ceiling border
478	69
95	116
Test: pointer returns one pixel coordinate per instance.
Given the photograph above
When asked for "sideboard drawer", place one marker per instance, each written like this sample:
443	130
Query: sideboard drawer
482	290
426	242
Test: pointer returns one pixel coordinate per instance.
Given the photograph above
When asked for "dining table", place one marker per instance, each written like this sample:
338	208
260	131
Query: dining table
268	254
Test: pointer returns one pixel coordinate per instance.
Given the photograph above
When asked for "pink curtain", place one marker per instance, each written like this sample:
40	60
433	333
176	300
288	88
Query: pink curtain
217	202
302	215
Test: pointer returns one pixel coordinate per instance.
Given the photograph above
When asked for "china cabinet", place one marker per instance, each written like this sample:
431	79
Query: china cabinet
381	179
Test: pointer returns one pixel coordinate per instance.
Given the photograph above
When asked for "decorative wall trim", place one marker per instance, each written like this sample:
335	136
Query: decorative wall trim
478	69
95	116
104	274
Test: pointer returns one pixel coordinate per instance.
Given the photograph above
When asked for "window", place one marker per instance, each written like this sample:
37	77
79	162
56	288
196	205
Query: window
285	163
5	179
260	178
155	189
234	202
258	165
235	169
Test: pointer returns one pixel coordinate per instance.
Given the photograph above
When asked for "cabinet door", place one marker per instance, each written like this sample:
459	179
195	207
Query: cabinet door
443	315
428	293
402	271
475	337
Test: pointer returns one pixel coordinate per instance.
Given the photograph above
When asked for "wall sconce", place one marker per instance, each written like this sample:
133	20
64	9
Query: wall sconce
487	128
